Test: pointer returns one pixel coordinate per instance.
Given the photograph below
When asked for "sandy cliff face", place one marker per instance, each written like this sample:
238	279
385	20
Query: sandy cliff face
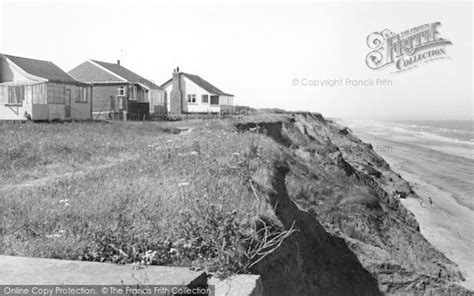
354	237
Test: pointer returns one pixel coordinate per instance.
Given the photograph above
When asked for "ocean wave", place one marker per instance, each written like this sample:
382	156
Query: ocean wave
434	133
443	139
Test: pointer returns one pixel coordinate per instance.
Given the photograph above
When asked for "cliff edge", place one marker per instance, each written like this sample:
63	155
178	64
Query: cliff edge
292	197
345	202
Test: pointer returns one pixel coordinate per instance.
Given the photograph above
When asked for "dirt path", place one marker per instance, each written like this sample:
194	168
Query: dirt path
83	170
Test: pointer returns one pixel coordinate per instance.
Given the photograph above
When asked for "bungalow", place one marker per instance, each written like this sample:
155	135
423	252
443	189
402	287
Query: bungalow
188	93
117	89
40	90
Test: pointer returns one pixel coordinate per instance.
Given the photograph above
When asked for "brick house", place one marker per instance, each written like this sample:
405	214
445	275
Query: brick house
117	89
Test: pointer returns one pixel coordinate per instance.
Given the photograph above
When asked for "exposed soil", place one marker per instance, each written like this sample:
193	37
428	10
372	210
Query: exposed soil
354	235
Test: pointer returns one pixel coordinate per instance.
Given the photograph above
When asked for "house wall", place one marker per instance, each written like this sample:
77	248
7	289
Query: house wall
34	103
189	87
14	112
41	105
33	94
102	101
57	97
56	111
157	100
137	93
80	110
168	87
226	100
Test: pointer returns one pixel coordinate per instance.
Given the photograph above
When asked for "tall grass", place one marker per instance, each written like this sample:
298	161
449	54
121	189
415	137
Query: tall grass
129	193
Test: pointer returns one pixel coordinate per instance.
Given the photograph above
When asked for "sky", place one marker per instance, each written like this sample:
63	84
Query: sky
264	53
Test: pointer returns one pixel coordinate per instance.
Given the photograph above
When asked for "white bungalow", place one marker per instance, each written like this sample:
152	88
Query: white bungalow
40	90
188	93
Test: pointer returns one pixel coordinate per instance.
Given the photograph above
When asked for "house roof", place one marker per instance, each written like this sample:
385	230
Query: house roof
201	82
93	73
127	74
43	69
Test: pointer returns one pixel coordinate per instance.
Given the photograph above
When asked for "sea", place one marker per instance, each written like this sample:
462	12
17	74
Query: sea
455	137
439	152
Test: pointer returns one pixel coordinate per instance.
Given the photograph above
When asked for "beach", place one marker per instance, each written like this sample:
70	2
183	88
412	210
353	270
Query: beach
440	169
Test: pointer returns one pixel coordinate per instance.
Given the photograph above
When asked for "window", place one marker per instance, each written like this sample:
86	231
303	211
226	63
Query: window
39	94
16	94
132	91
27	94
3	94
56	94
81	96
121	91
192	99
205	99
214	100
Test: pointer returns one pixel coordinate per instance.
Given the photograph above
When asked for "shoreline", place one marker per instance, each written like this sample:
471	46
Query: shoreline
414	166
447	222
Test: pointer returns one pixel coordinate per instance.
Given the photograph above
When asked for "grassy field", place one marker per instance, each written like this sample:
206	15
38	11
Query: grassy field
127	192
199	194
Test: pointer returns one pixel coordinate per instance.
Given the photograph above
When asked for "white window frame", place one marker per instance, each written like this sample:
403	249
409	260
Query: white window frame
121	91
192	98
15	100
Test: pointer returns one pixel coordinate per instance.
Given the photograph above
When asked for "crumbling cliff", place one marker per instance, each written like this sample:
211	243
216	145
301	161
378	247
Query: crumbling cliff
292	197
353	236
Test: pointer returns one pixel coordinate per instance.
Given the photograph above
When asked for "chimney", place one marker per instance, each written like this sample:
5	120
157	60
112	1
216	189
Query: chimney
177	102
118	62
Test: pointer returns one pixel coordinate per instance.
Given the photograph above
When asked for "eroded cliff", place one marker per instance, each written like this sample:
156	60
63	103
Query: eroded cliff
353	235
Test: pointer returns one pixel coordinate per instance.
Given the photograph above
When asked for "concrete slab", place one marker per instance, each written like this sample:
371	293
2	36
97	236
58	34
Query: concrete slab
238	285
39	271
